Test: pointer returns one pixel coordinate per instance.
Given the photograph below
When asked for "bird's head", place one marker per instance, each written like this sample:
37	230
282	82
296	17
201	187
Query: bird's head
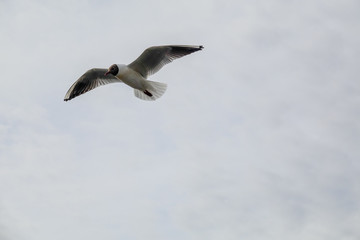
113	69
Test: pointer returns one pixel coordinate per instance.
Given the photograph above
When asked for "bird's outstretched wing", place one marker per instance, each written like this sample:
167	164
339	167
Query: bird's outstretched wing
91	79
154	58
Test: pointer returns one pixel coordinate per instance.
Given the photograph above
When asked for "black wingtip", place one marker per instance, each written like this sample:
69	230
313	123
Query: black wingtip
201	47
68	98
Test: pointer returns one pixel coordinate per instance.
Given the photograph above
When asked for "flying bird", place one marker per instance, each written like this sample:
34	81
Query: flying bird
134	74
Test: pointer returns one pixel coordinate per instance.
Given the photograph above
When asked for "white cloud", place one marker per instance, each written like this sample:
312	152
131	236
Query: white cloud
255	138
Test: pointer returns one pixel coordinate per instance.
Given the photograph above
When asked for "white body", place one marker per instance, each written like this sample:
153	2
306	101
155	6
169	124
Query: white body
135	80
131	77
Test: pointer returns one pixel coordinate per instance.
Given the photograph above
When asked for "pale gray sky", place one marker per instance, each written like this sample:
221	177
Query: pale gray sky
257	136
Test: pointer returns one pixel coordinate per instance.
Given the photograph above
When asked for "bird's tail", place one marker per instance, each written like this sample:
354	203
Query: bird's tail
153	91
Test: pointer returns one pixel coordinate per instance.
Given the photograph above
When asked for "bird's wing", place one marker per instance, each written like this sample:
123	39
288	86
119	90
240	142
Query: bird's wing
154	58
91	79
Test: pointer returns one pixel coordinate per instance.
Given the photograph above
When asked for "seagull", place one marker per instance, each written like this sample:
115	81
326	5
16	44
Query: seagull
134	74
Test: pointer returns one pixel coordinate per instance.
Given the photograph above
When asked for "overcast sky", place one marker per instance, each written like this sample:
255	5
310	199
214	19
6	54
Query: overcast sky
257	136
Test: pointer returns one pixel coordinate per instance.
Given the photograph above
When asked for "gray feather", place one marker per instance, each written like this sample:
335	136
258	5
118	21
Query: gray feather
93	78
154	58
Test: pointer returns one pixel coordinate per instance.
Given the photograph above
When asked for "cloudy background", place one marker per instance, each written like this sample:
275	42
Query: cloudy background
257	136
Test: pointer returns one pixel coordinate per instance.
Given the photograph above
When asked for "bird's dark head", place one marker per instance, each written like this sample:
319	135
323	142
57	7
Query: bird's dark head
113	69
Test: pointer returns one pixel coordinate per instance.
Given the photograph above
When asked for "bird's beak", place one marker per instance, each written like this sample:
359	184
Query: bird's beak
107	73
